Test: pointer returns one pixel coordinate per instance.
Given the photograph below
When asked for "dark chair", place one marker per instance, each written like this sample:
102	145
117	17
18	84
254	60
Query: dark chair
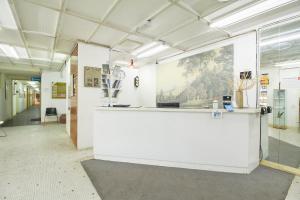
51	112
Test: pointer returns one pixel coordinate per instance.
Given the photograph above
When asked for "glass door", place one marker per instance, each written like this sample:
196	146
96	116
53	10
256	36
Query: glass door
279	47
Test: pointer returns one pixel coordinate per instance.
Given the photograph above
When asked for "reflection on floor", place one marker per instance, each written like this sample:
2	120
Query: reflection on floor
290	135
31	116
40	163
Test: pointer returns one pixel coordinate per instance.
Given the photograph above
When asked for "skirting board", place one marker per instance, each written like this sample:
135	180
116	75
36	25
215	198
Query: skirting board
280	167
217	168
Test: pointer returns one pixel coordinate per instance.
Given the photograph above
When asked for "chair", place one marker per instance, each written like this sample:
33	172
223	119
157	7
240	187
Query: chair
51	112
1	123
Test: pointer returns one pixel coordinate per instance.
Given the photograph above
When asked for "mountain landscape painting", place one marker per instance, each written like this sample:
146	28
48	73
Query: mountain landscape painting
197	80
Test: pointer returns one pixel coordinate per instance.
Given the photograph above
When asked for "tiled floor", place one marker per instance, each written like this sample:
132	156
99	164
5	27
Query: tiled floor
25	117
40	163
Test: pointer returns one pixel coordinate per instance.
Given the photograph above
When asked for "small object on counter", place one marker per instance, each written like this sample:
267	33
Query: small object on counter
215	104
228	107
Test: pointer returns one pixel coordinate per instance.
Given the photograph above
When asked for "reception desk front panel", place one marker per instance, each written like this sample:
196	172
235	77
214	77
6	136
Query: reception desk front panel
185	138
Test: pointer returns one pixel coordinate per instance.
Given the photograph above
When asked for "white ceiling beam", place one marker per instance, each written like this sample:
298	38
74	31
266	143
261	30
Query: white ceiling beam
38	33
58	28
16	17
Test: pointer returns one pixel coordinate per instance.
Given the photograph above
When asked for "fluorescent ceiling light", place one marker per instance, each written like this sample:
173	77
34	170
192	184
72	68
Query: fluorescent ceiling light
289	63
121	62
153	51
283	38
22	52
249	12
9	51
144	48
6	17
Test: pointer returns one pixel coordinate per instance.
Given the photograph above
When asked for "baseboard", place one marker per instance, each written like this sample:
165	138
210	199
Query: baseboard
197	166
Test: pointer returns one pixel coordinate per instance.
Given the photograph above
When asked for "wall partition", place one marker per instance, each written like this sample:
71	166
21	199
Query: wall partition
280	65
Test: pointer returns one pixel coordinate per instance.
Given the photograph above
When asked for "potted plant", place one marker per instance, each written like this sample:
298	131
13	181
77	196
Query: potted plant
243	83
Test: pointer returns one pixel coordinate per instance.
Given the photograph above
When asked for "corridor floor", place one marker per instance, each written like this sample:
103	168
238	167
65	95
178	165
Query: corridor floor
25	117
40	163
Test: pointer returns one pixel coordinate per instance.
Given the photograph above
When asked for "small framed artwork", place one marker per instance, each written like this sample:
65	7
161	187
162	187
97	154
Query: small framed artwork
92	77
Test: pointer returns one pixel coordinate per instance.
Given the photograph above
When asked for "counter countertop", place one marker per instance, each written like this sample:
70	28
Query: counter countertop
147	109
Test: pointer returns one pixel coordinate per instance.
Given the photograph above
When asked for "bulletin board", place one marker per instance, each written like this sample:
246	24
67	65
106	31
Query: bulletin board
92	77
58	90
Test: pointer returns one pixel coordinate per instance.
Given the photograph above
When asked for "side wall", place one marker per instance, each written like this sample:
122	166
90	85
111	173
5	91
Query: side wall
5	103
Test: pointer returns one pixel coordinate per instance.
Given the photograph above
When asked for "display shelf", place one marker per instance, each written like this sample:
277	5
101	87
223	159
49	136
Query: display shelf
279	109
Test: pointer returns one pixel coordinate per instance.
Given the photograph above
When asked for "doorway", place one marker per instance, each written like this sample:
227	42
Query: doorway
280	64
25	103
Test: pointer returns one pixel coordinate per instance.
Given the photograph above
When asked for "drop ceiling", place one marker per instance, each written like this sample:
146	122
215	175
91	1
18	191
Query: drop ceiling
49	29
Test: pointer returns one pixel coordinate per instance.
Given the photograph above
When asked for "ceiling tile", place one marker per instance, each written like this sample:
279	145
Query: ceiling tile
39	54
203	39
128	13
128	45
205	7
23	61
107	36
4	59
10	36
37	18
65	46
167	20
187	32
41	63
90	8
139	39
56	4
39	41
77	28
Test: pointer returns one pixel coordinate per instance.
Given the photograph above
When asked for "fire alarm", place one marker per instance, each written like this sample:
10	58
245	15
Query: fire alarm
136	81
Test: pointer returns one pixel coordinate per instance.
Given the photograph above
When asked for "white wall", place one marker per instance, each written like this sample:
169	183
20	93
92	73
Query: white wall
147	88
68	111
5	104
244	60
88	98
46	94
129	94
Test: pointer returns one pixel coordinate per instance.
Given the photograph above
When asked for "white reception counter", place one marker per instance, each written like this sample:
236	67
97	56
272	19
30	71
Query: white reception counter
186	138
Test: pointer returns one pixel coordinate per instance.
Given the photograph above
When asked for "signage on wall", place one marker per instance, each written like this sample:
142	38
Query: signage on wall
36	78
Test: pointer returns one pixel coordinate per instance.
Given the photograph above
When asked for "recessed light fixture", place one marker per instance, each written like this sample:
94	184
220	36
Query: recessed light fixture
256	9
283	38
9	51
144	48
153	51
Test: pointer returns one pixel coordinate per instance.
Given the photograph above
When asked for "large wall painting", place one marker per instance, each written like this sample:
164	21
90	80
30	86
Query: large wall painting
197	80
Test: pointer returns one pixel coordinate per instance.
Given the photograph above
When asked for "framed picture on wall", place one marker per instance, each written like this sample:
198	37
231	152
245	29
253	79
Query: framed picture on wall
92	77
59	90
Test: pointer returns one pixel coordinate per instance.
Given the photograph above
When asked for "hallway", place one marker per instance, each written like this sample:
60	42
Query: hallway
31	116
40	163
